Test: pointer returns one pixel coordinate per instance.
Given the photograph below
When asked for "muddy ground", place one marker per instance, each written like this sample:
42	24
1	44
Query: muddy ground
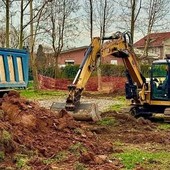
33	137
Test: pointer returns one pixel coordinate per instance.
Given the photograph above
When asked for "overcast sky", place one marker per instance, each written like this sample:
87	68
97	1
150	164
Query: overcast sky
84	38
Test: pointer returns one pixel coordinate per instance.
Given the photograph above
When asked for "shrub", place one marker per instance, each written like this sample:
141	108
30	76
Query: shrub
112	70
145	69
69	71
119	70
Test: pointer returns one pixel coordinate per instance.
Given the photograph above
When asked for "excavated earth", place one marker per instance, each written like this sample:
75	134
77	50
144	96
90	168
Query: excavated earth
42	135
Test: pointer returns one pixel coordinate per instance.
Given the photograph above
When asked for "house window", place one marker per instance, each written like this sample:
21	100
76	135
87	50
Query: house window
69	62
114	62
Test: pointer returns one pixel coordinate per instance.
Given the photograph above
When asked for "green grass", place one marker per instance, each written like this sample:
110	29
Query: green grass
107	121
148	160
22	161
164	126
30	85
6	137
119	143
43	94
30	93
120	102
2	156
79	166
59	157
77	147
116	107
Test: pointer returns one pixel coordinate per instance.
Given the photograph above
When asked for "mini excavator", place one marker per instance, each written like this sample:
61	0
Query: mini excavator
149	97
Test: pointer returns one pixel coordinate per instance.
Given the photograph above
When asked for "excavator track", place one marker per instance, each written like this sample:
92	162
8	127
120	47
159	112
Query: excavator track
167	115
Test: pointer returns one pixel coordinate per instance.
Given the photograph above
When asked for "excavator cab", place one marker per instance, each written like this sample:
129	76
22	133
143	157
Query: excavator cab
160	80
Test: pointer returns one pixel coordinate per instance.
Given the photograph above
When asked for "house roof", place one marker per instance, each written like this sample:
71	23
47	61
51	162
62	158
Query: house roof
156	39
74	49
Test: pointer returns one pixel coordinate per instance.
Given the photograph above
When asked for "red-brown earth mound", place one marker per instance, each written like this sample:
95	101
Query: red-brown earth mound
25	127
42	135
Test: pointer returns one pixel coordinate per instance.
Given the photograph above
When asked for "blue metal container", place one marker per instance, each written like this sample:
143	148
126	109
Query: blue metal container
14	66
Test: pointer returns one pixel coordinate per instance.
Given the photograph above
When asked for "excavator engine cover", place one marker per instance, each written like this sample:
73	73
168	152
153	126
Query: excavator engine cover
85	111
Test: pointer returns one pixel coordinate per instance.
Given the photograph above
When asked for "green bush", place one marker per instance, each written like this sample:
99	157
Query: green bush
145	69
112	70
69	71
49	72
119	70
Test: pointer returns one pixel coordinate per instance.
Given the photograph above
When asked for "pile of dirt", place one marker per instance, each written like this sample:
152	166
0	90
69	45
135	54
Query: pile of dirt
45	137
136	130
26	128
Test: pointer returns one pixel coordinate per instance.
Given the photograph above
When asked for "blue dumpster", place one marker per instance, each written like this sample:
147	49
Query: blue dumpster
14	66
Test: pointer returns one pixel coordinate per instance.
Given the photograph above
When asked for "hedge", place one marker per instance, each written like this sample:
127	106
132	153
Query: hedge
70	71
112	70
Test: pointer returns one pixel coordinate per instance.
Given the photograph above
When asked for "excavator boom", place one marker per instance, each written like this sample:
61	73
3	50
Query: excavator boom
119	45
82	111
86	68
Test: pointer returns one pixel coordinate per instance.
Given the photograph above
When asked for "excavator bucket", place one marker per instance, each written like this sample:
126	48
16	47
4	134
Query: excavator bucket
84	112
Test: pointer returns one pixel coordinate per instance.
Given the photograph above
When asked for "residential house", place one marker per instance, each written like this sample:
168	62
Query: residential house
159	44
75	56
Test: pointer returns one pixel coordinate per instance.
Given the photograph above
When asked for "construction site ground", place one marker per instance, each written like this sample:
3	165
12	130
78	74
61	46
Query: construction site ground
34	137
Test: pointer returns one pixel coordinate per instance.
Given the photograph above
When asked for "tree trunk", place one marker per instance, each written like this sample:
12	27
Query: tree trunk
56	73
91	19
7	23
133	19
21	27
32	57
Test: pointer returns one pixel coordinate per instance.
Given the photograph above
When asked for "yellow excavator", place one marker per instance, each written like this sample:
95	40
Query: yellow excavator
149	97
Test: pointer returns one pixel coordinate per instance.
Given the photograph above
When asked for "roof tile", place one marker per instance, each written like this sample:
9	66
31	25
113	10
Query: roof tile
157	39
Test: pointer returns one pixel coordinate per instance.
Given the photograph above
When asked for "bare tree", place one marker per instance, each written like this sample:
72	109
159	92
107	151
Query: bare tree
91	18
134	15
130	15
101	15
104	15
33	34
60	26
11	33
2	37
156	11
7	4
22	10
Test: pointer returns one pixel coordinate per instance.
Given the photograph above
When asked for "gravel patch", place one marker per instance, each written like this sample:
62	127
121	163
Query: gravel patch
103	103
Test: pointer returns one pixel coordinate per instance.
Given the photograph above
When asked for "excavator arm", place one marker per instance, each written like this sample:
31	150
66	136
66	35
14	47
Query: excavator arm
119	45
86	68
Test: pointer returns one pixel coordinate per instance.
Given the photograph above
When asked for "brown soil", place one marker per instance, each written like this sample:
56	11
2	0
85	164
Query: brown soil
41	134
131	130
